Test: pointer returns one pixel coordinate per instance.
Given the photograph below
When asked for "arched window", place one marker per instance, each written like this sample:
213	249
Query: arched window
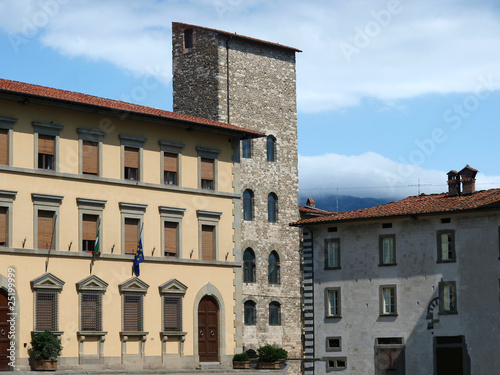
250	312
274	314
248	266
248	205
271	148
272	208
274	268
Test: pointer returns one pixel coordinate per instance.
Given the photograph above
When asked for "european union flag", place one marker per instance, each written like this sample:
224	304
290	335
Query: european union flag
139	256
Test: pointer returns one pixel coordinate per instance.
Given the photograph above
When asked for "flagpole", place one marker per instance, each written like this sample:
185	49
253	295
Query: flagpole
95	243
51	242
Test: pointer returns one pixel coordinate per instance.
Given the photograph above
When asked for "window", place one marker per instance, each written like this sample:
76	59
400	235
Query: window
272	208
170	237
90	216
248	205
46	289
91	149
3	226
208	234
172	293
332	302
274	268
132	156
389	355
6	127
46	220
6	202
91	290
131	235
249	266
336	364
89	231
332	254
46	224
271	148
387	250
388	300
132	220
171	219
207	242
132	312
250	313
447	297
188	40
169	168
207	174
246	145
46	145
446	246
274	314
333	344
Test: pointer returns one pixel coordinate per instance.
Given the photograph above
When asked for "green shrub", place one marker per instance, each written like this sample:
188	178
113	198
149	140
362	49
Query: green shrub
45	345
269	354
241	357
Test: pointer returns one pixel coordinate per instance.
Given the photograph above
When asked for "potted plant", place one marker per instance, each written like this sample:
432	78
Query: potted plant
269	357
241	361
45	348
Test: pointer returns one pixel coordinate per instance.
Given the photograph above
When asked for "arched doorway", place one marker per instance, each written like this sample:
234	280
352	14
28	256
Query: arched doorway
4	332
208	330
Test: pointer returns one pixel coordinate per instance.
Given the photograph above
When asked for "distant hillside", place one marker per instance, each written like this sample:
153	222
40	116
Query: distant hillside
345	202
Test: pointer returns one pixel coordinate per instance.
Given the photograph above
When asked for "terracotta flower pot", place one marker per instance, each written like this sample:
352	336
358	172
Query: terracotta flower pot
269	365
241	364
45	364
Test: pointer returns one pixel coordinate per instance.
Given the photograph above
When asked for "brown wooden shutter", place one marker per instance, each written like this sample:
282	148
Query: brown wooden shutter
207	242
4	146
170	238
90	156
89	227
131	235
131	157
3	226
45	229
207	169
91	311
132	312
46	310
172	312
46	144
170	162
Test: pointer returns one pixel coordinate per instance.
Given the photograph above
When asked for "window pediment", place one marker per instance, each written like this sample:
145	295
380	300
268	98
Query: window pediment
92	283
173	286
47	281
133	284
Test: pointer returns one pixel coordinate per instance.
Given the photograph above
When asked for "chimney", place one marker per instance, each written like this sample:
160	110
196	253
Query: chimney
310	203
453	183
468	177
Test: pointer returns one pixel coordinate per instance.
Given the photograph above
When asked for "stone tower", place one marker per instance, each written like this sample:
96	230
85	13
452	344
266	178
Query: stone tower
251	83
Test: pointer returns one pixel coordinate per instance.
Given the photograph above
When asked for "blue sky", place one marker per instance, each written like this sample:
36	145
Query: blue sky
391	94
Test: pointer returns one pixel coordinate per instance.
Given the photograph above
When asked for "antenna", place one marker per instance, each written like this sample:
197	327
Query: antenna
337	199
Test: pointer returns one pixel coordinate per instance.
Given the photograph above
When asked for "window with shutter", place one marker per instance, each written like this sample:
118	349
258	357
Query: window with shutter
170	168
91	311
90	157
172	312
4	147
45	233
46	151
131	235
170	234
207	242
132	312
89	231
207	174
131	163
46	310
3	226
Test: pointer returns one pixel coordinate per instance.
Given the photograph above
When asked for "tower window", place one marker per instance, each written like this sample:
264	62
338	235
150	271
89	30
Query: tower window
188	39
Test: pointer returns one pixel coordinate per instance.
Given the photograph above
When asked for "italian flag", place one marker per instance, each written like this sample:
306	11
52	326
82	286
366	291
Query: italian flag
97	251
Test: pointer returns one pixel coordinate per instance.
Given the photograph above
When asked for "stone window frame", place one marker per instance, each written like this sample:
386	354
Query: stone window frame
172	287
381	239
253	303
383	311
7	198
47	283
247	145
50	130
252	264
338	291
136	142
275	304
208	153
327	263
275	208
171	215
131	211
46	202
88	206
185	48
278	269
172	148
271	148
336	364
251	203
7	123
91	135
453	258
94	285
211	218
454	296
330	348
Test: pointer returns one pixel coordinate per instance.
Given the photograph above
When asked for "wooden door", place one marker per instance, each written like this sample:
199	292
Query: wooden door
4	332
208	330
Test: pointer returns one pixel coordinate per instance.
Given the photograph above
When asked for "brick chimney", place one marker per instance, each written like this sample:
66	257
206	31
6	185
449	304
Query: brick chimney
468	177
310	203
453	183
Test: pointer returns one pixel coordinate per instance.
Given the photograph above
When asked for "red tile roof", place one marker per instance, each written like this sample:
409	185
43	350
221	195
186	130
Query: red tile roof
309	211
417	205
27	90
234	35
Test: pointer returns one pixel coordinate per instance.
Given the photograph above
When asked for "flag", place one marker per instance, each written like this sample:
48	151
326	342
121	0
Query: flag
139	256
97	251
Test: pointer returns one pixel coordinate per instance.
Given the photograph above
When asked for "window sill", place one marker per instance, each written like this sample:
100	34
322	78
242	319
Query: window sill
333	317
447	261
388	315
58	334
387	264
448	312
126	334
332	268
166	334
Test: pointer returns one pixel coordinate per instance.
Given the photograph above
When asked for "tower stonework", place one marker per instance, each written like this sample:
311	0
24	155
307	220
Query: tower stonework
251	83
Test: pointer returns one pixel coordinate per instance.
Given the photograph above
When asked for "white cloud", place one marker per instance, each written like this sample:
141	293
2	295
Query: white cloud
372	175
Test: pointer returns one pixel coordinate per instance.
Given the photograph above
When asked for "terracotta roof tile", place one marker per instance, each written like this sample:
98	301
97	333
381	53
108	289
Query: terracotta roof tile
30	90
313	211
417	205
